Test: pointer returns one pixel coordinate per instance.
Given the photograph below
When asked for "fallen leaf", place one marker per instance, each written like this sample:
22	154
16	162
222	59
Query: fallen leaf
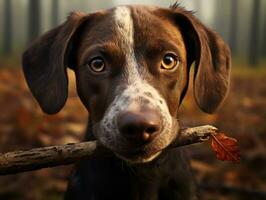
225	148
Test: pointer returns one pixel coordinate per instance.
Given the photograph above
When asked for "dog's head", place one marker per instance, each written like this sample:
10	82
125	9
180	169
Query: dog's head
132	68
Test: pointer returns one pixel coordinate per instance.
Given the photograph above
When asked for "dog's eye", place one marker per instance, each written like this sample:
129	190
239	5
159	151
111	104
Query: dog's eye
169	61
97	64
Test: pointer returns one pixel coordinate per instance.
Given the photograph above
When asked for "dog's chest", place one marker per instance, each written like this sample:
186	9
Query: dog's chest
109	178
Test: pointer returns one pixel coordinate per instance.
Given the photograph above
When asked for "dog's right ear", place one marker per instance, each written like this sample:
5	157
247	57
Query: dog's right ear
44	64
212	60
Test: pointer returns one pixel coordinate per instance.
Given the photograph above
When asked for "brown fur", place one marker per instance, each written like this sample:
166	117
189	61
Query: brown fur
157	31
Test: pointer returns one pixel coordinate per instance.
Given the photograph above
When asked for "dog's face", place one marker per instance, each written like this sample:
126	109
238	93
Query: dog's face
132	65
131	83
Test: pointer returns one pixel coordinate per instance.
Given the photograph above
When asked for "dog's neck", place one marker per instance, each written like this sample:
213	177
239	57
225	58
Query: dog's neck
166	177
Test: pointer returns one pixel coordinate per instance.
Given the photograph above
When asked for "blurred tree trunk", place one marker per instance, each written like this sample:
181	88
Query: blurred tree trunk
55	13
7	43
254	33
233	26
198	6
264	38
34	24
220	17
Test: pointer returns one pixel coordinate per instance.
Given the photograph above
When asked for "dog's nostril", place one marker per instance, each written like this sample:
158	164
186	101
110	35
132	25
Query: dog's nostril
151	129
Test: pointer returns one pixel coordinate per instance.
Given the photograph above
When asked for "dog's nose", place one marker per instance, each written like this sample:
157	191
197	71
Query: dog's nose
142	127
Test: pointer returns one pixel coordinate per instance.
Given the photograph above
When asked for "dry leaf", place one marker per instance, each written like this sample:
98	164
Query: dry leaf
226	148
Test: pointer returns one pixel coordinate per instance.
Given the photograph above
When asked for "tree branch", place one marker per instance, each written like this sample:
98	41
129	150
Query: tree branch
38	158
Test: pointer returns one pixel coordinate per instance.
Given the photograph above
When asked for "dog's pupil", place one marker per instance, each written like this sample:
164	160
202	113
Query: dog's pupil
97	64
168	60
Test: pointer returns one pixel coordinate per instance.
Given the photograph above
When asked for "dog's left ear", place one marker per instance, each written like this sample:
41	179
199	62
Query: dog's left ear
45	62
212	60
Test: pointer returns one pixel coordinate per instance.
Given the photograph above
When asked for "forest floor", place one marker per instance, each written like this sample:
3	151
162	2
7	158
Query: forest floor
243	116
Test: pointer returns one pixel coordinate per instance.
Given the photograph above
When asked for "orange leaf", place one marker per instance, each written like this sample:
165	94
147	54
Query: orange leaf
225	148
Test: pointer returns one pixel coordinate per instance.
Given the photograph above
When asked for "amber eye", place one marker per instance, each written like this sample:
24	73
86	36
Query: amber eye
169	61
97	64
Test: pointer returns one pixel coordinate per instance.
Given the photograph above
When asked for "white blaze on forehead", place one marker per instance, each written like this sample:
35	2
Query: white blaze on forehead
125	36
124	27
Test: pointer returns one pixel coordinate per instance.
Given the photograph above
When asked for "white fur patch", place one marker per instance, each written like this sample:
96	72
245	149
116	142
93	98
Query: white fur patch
125	30
137	92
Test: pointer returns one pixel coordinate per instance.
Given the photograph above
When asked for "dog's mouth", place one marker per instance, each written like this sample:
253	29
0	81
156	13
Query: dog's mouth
134	152
141	153
138	156
136	136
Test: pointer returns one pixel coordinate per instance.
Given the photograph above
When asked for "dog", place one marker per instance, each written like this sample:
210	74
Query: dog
132	66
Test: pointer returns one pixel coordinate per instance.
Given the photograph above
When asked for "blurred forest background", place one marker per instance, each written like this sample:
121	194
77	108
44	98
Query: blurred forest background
242	23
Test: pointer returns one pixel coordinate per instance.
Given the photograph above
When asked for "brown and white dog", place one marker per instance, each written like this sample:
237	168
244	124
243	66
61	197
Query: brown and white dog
132	68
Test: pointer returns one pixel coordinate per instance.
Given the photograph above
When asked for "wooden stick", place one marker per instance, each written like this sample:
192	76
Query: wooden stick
38	158
193	135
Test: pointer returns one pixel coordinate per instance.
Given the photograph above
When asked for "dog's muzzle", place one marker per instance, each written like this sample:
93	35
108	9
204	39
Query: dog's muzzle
137	126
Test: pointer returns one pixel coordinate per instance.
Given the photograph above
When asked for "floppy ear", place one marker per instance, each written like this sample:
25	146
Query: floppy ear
44	64
212	60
